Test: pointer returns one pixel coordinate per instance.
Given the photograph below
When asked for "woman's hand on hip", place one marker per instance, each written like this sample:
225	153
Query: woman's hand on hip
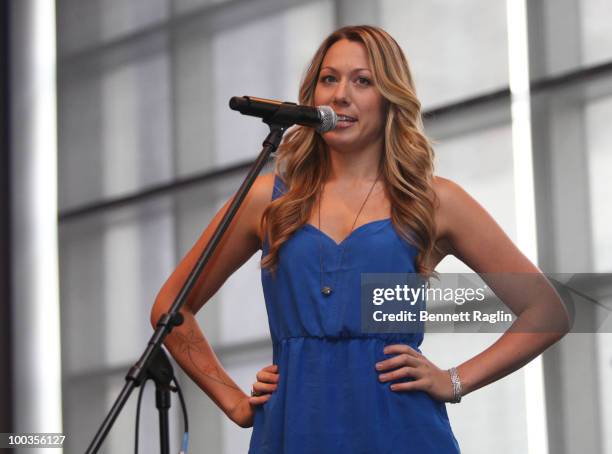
266	384
408	363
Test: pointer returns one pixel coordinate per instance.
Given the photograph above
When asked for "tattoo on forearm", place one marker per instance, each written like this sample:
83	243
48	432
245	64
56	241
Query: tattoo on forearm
193	344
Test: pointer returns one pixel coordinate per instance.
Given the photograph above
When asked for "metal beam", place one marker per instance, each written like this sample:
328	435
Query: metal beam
563	219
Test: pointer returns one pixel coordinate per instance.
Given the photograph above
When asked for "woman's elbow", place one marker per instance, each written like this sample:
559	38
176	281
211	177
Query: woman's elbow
567	326
160	307
566	320
157	311
562	324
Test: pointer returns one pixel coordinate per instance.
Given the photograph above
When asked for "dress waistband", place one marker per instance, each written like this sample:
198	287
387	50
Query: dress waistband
409	339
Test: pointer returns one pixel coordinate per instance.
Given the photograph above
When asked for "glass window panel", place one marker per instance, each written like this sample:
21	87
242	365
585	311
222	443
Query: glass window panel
237	312
442	41
114	124
82	296
573	165
244	316
87	400
188	6
194	209
110	276
269	67
597	114
86	24
243	61
599	136
595	18
604	349
475	151
248	59
481	162
490	414
195	109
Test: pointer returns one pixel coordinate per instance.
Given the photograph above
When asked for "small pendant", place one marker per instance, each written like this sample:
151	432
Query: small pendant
326	291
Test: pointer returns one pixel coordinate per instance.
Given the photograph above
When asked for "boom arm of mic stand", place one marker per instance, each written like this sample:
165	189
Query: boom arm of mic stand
173	318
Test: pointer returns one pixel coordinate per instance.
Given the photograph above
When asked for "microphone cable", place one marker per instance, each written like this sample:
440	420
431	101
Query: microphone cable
185	445
177	389
138	415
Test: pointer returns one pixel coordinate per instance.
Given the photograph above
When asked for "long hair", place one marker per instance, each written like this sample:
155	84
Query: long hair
407	163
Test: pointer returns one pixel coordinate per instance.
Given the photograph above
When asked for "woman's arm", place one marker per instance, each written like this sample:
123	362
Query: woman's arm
187	343
475	238
467	231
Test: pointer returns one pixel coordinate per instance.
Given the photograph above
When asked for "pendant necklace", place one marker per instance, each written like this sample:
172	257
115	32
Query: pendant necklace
327	290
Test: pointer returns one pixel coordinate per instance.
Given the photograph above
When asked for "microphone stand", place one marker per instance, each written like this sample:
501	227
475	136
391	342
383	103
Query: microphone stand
153	363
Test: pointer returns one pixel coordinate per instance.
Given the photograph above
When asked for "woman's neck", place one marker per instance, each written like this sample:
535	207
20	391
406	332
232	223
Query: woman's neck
354	167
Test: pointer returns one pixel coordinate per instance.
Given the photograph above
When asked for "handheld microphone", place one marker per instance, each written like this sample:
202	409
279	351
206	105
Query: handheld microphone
322	118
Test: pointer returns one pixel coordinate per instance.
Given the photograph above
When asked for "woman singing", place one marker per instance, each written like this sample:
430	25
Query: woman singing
361	198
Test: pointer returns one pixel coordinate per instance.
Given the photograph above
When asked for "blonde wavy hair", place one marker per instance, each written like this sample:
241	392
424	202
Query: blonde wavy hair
406	166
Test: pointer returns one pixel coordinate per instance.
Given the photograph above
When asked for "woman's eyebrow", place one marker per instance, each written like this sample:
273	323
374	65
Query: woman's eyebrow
331	68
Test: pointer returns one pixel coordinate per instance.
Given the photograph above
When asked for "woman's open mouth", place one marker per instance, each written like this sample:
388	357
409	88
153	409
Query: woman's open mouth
345	121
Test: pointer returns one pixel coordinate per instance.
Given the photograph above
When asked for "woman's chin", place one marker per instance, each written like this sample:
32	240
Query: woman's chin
340	138
341	145
346	143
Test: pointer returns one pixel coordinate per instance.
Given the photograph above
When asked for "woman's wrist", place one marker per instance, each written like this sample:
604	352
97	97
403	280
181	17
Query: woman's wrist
241	413
457	387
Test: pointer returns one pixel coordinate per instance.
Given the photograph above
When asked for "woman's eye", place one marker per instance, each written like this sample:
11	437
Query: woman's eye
327	79
363	81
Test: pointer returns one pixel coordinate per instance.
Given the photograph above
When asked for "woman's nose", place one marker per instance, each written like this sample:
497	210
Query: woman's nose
341	95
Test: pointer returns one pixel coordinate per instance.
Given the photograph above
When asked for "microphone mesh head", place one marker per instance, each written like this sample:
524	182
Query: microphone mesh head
328	119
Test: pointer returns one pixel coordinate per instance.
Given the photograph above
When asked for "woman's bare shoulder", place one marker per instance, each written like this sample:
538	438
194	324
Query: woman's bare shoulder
445	187
472	234
453	201
261	196
262	187
449	196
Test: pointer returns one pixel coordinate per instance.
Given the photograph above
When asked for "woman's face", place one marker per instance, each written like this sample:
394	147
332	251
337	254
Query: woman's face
346	84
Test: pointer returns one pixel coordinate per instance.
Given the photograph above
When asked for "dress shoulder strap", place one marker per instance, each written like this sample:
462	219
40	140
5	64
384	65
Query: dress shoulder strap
279	187
278	190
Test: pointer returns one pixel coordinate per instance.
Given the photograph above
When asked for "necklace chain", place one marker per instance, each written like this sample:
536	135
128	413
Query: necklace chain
327	290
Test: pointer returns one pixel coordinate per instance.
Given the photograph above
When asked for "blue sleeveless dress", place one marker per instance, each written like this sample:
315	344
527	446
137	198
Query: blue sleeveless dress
329	399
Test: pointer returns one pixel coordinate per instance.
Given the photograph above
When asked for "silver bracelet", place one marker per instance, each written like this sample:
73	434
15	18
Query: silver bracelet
457	391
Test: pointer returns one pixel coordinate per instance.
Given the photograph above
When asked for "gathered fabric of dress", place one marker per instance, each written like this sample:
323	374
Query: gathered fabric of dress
329	399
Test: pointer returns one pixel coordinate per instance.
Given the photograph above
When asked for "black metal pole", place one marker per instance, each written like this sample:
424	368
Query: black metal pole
6	301
161	372
162	399
137	374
